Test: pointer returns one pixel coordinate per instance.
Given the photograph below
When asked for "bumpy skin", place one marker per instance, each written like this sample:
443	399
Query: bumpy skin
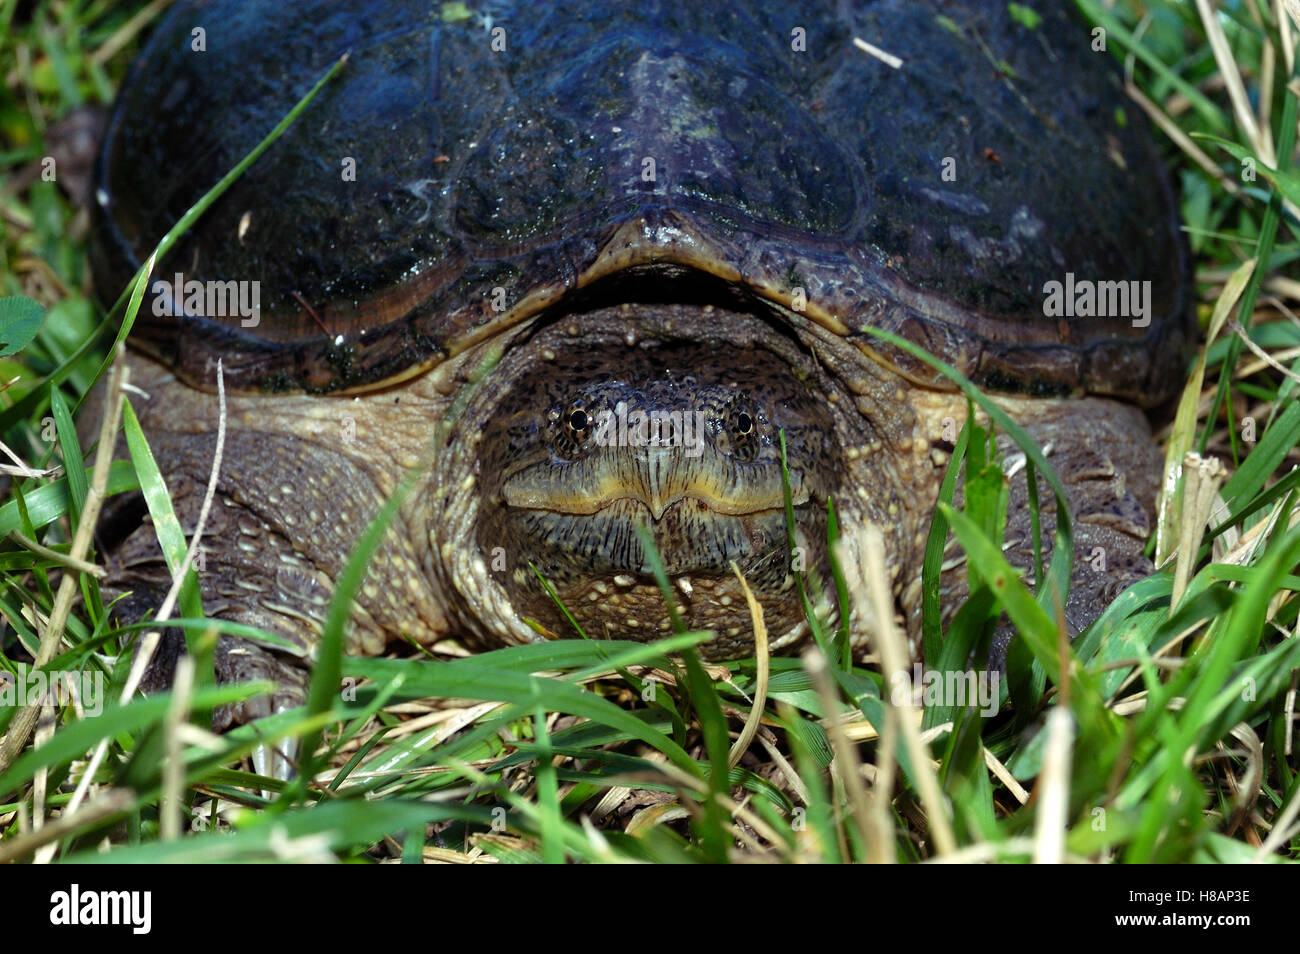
1104	455
301	483
675	209
619	418
301	478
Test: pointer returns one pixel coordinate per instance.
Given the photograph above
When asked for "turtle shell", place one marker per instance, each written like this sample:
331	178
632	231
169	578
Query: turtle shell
468	169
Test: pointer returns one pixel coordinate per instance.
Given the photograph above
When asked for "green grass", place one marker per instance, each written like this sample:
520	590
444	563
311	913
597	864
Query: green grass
1182	712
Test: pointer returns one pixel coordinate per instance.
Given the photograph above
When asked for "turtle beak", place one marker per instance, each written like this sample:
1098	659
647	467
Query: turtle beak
665	477
659	478
659	490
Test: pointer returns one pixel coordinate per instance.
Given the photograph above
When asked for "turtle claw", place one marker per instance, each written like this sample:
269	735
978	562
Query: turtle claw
278	761
263	756
286	761
275	761
239	661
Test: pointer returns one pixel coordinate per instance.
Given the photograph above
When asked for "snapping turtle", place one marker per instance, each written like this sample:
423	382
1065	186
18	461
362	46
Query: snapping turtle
661	228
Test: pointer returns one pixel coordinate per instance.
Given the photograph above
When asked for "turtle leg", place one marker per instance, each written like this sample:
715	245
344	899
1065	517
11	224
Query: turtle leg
235	661
299	479
138	573
252	570
1105	456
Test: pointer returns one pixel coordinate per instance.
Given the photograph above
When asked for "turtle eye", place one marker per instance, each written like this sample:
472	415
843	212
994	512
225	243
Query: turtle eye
741	422
573	427
578	422
740	425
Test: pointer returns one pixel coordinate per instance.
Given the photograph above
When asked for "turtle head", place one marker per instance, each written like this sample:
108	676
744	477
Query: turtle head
609	437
